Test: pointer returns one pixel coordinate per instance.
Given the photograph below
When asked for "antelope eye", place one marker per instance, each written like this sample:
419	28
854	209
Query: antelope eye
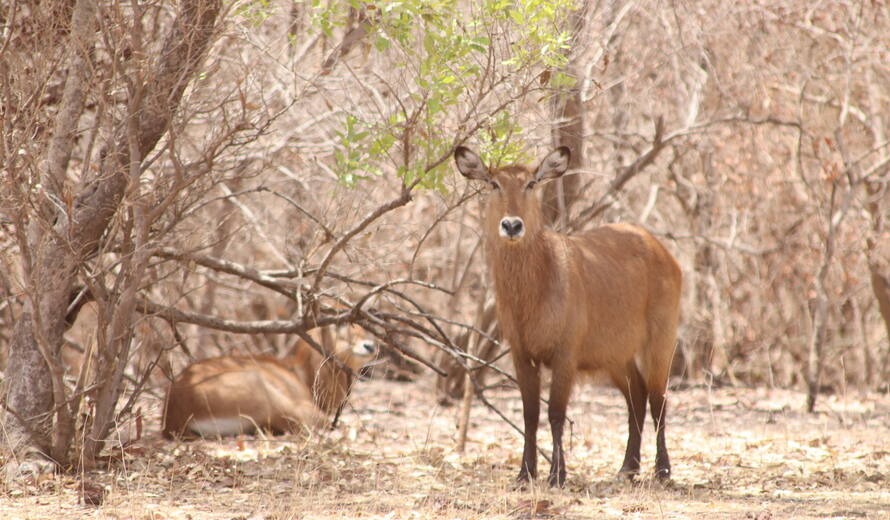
531	184
494	185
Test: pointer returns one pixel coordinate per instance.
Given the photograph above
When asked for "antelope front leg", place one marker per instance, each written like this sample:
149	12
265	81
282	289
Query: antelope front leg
530	388
560	390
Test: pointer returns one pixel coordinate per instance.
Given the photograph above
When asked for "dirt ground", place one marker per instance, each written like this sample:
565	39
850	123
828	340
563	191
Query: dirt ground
736	453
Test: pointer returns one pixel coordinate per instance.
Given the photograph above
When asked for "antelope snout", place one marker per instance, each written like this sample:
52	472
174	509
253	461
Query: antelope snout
512	228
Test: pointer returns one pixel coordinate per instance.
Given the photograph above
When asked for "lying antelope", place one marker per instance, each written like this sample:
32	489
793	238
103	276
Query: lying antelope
230	395
604	301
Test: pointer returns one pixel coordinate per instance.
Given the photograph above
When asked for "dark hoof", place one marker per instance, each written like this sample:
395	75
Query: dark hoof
663	474
628	473
557	480
522	481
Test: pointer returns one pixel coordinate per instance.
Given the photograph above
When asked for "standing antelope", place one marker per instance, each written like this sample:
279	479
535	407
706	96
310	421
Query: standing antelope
603	301
230	395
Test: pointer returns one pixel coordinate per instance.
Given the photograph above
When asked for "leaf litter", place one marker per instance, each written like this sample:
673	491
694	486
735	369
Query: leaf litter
736	453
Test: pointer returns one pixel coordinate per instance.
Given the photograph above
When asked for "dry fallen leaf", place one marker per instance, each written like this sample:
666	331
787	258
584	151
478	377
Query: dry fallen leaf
535	508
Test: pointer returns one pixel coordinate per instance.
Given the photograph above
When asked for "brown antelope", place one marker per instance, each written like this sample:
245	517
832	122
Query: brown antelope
230	395
604	301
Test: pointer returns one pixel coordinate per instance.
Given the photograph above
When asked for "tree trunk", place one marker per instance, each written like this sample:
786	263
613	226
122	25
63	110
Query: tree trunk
28	418
568	112
879	268
34	389
33	394
819	307
560	194
880	283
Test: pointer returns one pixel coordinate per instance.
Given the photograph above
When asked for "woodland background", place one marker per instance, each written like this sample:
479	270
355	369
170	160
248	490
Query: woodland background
179	180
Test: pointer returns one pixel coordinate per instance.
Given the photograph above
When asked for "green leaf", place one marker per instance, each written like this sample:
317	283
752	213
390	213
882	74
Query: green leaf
441	51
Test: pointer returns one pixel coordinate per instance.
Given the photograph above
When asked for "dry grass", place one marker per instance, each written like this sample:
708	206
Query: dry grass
736	453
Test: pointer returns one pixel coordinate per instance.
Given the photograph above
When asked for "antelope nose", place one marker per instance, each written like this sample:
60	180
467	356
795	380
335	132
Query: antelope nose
512	227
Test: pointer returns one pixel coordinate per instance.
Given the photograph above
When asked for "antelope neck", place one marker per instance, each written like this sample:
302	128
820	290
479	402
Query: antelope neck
522	272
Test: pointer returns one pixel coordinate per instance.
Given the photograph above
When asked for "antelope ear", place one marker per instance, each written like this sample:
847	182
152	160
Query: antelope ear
470	165
554	165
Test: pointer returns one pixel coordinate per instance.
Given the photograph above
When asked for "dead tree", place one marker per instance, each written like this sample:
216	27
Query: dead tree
61	226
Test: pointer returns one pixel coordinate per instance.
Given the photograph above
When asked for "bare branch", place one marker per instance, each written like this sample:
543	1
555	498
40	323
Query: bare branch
401	200
281	286
237	327
626	174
